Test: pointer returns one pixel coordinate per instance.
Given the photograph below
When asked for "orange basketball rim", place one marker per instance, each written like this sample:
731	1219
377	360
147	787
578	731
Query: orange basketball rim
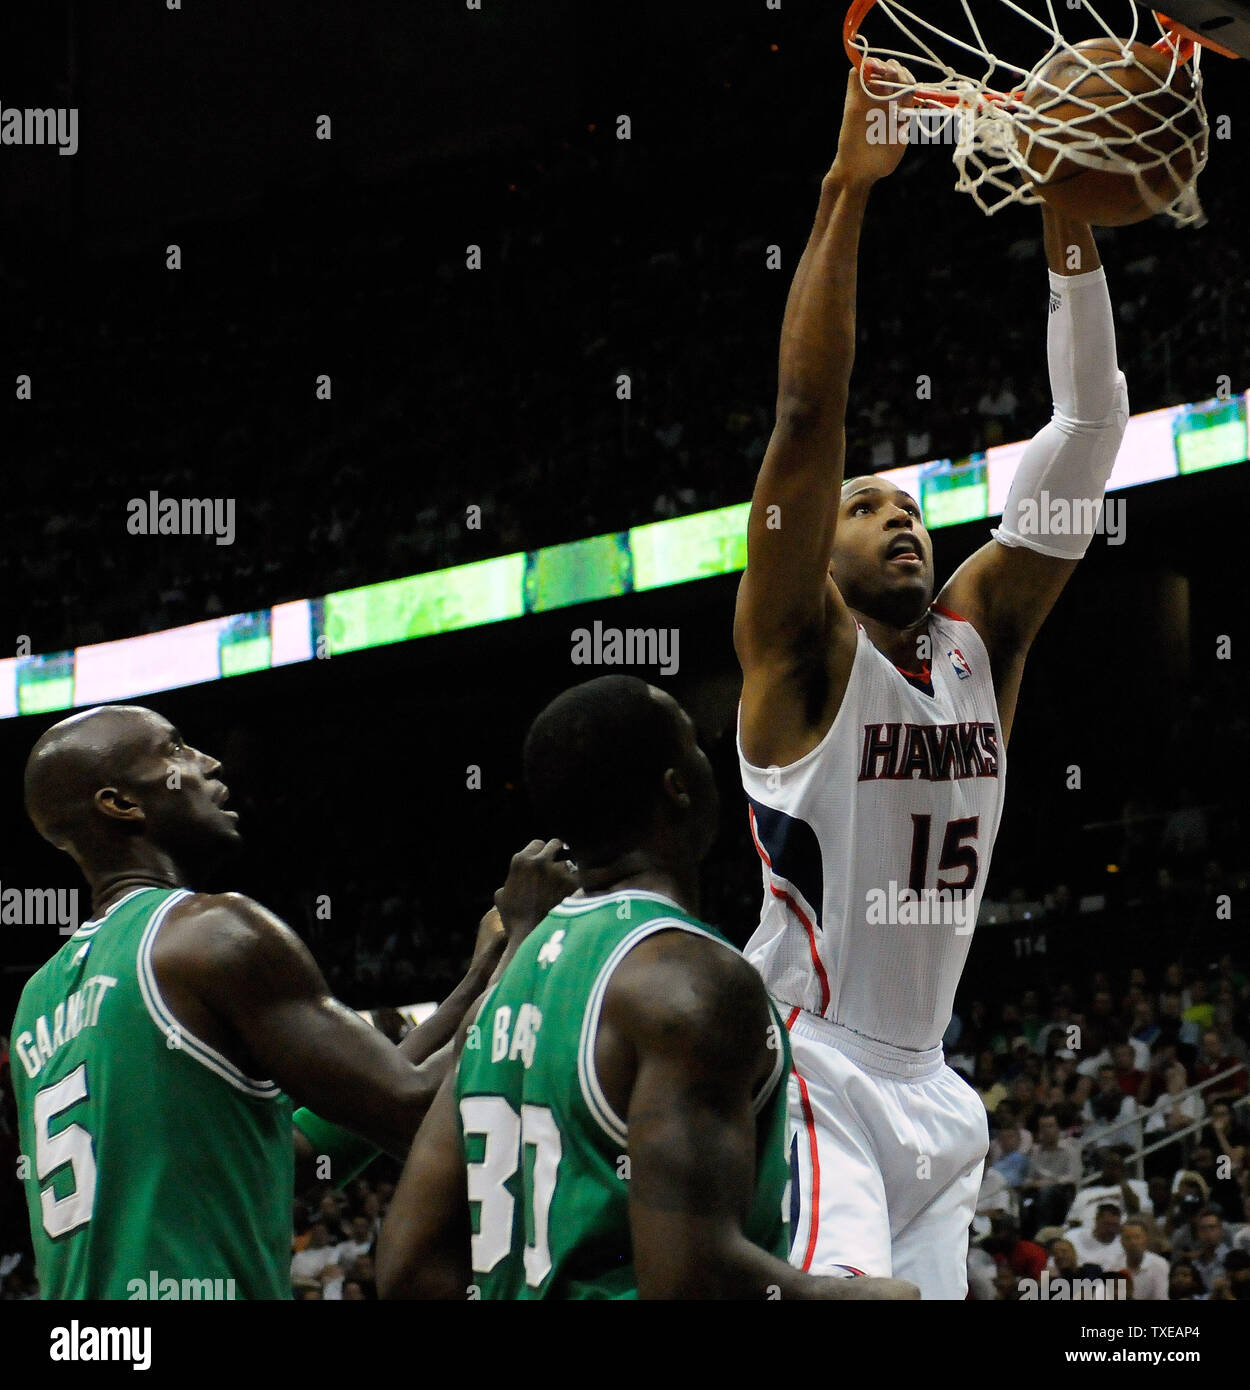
1175	36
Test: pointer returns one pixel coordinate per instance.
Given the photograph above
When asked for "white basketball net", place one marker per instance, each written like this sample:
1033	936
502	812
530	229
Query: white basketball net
1001	146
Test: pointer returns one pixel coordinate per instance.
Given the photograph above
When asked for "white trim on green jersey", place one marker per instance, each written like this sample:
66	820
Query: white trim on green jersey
572	905
93	924
164	1019
592	1093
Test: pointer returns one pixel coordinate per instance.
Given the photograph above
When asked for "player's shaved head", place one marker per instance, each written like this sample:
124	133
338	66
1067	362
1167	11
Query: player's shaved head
595	764
116	786
79	757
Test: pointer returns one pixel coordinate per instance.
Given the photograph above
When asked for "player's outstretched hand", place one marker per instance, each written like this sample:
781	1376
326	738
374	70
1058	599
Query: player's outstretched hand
539	877
490	943
873	138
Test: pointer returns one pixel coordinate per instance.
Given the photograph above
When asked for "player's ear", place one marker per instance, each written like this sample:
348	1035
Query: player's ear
116	805
675	788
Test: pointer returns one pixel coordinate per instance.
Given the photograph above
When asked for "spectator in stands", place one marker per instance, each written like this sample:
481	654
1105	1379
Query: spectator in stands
1127	1074
989	1085
1173	1112
1059	1070
1185	1283
1129	1195
330	1211
1027	1104
1145	1026
1148	1270
1190	1195
1222	1189
1093	1049
1053	1036
1010	1163
1078	1091
1023	1258
360	1242
1160	1190
1173	1026
1050	1182
1100	1245
1208	1257
1235	1281
1199	1010
1213	1061
1109	1114
1163	1056
318	1255
1226	1011
1062	1262
1031	1019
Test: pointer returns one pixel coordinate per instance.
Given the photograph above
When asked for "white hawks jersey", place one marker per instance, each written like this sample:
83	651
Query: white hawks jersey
876	844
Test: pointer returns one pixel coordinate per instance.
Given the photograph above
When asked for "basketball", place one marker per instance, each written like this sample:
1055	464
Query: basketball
1157	131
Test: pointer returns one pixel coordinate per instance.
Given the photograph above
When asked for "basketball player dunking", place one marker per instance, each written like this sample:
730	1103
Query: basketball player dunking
872	737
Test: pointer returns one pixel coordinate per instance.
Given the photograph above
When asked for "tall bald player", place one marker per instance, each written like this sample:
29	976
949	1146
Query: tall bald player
872	738
157	1054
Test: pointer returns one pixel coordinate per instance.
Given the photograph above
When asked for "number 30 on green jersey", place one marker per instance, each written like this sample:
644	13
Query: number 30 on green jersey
506	1136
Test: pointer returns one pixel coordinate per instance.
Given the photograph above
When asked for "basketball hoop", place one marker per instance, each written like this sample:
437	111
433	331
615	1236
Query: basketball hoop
1000	139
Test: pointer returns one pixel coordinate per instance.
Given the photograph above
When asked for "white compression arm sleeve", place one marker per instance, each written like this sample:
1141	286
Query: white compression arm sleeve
1055	499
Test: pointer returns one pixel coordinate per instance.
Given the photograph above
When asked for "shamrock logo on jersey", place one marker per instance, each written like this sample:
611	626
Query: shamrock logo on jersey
552	948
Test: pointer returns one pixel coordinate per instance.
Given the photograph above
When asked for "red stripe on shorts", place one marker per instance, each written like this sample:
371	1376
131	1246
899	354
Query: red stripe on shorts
810	1125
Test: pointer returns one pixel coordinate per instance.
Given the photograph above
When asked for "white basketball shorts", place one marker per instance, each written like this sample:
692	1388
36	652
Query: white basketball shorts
886	1154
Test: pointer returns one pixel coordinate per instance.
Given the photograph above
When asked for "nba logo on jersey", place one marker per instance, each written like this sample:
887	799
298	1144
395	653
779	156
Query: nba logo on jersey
962	669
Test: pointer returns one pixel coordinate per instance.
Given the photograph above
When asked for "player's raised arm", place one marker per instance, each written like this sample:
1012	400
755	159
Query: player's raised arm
252	973
1007	588
786	599
693	1018
423	1247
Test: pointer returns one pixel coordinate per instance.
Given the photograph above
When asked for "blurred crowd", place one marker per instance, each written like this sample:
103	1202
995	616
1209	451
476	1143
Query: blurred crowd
599	371
1119	1136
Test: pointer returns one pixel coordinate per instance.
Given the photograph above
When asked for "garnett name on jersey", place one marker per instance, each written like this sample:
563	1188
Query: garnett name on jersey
81	1010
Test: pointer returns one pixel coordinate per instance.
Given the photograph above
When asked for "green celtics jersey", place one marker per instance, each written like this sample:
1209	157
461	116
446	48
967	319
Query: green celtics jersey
155	1168
547	1158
